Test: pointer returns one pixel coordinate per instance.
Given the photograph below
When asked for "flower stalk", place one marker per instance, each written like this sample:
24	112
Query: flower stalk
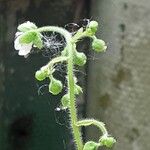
30	35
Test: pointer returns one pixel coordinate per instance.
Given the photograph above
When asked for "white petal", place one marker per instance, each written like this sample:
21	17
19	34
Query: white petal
18	33
25	49
17	45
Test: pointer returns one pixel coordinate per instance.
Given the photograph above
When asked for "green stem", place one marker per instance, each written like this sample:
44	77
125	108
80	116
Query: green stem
72	108
82	35
88	122
56	60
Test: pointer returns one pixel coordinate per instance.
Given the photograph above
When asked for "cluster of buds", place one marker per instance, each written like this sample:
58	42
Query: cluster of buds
55	85
105	140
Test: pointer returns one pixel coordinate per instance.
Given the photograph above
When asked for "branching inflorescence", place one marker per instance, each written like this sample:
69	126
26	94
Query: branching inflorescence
28	36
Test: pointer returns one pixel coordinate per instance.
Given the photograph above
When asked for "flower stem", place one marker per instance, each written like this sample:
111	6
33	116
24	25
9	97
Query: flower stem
72	108
88	122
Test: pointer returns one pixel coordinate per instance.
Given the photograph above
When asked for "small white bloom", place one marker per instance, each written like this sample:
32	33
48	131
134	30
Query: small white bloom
24	49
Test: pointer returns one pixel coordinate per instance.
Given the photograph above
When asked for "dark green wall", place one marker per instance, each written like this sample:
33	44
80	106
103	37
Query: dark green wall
28	121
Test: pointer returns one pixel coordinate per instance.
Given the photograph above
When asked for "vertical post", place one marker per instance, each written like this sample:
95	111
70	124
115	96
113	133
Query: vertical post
119	81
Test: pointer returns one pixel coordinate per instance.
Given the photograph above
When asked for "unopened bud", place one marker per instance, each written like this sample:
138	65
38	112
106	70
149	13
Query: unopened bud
98	45
93	25
90	145
55	86
65	100
107	141
80	59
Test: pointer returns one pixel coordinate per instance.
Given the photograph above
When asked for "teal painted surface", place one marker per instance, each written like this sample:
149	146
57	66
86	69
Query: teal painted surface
28	121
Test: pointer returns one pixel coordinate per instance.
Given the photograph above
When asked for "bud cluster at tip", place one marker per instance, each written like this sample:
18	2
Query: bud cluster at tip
107	141
104	141
55	86
92	28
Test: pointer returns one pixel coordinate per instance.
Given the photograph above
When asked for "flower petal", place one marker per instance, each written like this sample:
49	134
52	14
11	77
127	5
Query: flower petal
17	44
25	49
26	26
18	33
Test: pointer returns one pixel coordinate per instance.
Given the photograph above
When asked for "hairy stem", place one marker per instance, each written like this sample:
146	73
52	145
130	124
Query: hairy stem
88	122
57	60
72	108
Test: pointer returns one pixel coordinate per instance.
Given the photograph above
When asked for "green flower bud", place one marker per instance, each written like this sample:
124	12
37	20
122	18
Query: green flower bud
28	37
90	145
98	45
27	26
107	141
80	59
55	86
40	75
65	100
93	25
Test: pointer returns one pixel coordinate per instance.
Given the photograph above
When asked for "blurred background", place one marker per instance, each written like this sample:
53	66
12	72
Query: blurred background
116	83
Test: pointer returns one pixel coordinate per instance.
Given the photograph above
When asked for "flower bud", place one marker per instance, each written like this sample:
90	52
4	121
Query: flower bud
65	100
80	59
107	141
55	86
93	25
40	75
26	26
90	145
98	45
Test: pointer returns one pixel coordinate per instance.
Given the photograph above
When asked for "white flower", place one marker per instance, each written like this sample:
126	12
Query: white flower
26	38
23	48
